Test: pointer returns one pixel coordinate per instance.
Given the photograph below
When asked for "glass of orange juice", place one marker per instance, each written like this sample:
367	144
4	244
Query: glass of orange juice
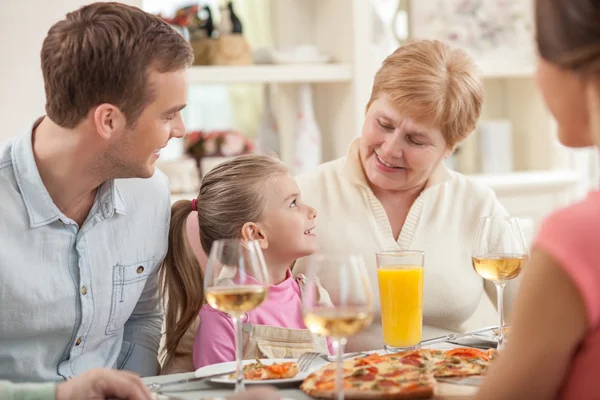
400	275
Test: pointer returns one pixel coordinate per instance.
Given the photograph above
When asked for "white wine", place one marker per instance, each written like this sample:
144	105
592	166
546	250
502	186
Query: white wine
236	299
337	322
499	267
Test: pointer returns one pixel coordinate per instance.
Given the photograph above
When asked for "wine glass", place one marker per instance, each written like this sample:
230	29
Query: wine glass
235	282
499	254
342	312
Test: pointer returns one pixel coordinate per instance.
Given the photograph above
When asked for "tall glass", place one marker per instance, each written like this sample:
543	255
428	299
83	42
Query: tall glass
235	282
400	274
343	311
499	254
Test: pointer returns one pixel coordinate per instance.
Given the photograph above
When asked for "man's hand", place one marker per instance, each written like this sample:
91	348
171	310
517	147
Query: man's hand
100	384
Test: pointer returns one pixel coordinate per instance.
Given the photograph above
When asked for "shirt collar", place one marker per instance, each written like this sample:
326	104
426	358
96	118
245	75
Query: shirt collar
354	171
40	207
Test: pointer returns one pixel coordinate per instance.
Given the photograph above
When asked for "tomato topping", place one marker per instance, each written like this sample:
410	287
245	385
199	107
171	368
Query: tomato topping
393	374
468	352
411	361
387	383
366	377
373	369
279	369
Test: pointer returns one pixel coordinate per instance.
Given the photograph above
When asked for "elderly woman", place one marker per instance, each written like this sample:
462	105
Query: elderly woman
392	190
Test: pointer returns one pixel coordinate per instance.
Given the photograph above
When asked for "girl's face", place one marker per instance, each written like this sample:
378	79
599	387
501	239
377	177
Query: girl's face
288	224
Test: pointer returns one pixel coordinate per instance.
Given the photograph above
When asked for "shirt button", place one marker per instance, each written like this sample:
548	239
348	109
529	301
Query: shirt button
140	269
78	342
83	290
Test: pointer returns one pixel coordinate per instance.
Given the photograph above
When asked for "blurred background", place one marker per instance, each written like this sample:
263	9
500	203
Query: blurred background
293	77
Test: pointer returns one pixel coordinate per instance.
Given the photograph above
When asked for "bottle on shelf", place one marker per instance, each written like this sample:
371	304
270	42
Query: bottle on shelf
307	139
267	132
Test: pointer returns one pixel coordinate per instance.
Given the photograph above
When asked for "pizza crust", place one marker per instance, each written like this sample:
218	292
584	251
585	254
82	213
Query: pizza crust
420	393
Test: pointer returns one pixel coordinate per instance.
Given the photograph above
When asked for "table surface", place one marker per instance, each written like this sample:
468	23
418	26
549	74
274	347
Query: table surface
203	390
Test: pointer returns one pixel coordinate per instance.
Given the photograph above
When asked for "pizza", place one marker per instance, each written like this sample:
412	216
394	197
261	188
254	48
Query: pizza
462	361
405	375
258	371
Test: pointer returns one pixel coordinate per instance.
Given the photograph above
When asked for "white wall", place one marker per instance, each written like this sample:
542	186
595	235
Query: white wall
23	26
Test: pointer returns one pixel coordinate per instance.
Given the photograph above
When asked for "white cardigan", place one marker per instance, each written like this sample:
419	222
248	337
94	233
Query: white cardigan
442	222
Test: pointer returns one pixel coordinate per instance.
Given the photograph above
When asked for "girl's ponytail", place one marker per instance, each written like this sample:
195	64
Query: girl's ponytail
181	281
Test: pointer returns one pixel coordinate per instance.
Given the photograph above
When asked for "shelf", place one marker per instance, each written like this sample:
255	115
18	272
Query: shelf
504	69
271	73
530	180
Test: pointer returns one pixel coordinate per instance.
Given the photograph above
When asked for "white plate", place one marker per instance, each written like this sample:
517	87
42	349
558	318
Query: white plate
230	366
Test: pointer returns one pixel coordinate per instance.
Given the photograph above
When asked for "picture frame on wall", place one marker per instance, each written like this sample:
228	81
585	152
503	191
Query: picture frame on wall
489	30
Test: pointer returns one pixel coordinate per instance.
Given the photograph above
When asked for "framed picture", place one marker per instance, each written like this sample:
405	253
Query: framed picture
489	30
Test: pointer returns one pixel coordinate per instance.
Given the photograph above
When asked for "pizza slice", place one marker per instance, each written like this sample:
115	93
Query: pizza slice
259	371
462	361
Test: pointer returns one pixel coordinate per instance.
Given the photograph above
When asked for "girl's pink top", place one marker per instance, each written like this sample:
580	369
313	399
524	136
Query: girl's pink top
214	341
572	237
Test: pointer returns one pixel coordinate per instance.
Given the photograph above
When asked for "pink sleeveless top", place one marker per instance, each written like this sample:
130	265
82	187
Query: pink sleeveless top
572	237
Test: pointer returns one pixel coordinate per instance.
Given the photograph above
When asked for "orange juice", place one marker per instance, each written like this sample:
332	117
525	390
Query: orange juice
401	295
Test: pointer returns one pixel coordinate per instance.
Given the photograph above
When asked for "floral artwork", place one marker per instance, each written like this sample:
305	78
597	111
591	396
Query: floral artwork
487	29
201	144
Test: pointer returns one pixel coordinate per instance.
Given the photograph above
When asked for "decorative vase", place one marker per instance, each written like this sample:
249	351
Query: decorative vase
307	139
267	133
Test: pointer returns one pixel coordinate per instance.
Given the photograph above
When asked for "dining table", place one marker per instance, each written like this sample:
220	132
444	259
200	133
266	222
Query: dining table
208	390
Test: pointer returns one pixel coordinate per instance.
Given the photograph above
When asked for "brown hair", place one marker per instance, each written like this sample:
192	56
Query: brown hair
231	194
102	53
434	84
568	33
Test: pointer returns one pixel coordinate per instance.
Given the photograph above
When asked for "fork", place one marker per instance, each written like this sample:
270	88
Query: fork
307	358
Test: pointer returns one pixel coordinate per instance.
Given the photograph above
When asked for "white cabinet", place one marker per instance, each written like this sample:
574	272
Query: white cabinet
546	175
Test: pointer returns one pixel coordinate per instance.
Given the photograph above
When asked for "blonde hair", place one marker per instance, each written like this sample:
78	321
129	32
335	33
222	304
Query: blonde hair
231	194
432	83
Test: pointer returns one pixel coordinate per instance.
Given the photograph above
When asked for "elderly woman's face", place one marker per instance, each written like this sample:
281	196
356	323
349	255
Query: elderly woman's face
398	153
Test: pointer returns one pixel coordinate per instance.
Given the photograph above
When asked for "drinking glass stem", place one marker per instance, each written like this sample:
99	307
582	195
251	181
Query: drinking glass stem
239	375
500	299
338	346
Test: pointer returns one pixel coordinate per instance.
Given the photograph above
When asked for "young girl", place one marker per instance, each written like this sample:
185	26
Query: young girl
252	198
554	347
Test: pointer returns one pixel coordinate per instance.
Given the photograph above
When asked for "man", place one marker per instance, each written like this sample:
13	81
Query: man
80	245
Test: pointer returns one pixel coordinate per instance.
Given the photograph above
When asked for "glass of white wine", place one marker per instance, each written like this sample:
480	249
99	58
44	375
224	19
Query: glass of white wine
500	252
343	311
236	281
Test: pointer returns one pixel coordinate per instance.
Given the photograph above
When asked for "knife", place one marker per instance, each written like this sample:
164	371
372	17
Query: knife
454	336
157	387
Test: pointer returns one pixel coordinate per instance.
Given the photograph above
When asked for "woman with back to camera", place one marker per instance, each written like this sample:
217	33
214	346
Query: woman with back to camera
554	347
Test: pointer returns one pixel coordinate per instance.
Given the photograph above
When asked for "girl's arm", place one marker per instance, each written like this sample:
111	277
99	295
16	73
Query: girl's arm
549	322
215	340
